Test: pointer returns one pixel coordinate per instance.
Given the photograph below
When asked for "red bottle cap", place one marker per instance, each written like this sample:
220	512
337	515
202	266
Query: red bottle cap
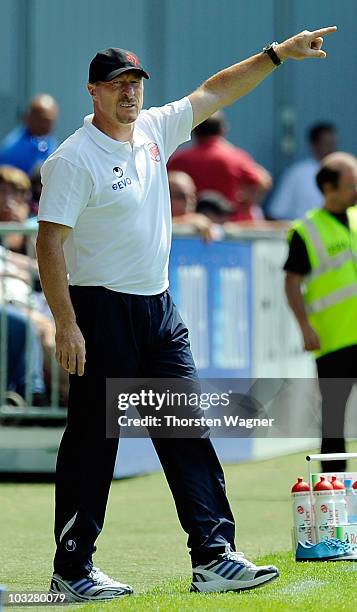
323	485
337	484
300	486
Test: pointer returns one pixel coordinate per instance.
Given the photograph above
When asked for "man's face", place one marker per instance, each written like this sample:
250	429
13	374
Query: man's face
13	205
326	144
182	195
119	100
346	192
41	120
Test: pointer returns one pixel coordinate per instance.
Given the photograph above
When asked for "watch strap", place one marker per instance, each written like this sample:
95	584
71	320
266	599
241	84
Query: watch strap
270	51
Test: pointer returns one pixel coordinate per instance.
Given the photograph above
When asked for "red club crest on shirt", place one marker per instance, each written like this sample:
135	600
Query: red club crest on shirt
132	59
154	152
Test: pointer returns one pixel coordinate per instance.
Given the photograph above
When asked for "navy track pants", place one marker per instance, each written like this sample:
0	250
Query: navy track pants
131	336
337	375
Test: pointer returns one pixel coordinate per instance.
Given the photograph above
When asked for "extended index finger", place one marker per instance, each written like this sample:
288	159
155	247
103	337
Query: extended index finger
323	32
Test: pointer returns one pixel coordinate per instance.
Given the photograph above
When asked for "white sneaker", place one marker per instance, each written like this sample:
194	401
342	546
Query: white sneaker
95	587
231	571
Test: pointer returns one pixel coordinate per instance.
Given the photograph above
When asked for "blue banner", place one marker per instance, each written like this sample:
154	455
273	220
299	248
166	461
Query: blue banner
212	287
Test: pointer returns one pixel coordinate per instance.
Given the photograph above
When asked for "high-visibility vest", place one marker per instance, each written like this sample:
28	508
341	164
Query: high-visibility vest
330	289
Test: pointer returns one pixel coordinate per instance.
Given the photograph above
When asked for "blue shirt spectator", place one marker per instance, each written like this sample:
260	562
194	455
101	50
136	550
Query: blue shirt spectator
30	144
297	190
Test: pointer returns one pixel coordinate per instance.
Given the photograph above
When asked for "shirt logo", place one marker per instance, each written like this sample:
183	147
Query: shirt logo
42	146
154	152
71	545
121	184
132	59
118	172
337	247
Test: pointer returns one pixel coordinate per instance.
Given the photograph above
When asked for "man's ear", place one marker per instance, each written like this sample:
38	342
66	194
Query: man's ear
328	188
91	89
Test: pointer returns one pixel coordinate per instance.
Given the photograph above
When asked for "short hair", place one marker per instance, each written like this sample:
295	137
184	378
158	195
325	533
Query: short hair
15	177
213	126
316	130
327	175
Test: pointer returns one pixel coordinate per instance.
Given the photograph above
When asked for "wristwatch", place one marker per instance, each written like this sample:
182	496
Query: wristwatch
269	50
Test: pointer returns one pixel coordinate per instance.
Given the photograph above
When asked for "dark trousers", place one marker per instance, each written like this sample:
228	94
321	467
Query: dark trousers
130	336
337	374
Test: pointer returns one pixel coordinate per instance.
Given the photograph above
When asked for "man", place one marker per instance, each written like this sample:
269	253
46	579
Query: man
321	287
29	145
105	219
183	203
297	191
216	165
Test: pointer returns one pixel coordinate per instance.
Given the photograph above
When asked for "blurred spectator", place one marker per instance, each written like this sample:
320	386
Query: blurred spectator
36	189
14	208
182	193
214	206
14	191
30	144
18	327
183	203
15	300
23	307
215	164
297	190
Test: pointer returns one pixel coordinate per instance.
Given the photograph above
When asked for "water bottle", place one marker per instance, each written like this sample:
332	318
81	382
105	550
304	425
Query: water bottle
302	510
341	516
324	508
351	500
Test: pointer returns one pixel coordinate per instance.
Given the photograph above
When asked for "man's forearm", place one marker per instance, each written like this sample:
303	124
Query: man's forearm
232	83
296	300
53	277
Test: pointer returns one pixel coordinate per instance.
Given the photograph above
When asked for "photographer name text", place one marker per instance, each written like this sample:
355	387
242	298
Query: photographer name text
174	421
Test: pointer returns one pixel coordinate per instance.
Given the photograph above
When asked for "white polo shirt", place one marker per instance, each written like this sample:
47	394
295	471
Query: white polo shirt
116	198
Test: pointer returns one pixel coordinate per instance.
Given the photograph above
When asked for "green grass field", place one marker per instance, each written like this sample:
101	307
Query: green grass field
142	544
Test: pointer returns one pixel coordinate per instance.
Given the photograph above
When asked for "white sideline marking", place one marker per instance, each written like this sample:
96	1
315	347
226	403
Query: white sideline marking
301	587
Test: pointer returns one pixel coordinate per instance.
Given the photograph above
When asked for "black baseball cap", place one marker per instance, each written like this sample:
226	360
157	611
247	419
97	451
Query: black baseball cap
109	63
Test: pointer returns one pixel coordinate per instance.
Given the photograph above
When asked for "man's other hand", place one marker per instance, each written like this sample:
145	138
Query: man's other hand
70	348
311	339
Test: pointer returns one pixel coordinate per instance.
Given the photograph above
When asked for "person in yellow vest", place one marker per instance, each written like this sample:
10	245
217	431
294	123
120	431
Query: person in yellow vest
321	288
